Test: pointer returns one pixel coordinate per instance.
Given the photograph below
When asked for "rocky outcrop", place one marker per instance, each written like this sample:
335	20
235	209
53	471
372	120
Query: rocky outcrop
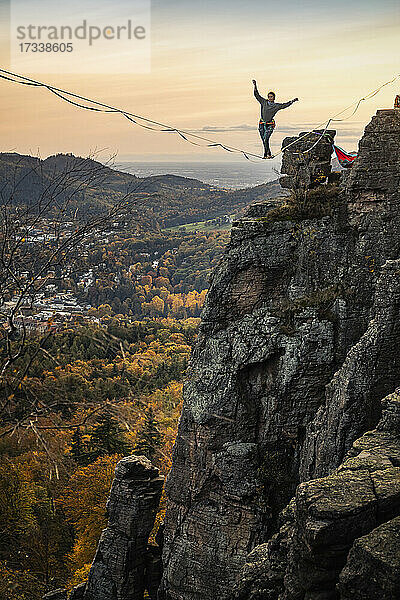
298	344
125	566
340	538
373	565
118	571
371	368
307	162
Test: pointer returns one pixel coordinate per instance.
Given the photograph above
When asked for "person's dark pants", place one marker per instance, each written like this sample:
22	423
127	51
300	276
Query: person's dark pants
265	132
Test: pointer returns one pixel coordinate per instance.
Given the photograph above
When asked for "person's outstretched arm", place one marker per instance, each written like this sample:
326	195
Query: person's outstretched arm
285	104
257	93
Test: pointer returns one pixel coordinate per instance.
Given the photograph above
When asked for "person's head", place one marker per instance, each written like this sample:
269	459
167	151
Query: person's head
271	96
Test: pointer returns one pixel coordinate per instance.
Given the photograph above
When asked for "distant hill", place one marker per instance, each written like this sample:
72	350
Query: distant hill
93	186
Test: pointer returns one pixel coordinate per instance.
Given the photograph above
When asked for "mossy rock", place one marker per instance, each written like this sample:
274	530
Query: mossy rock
304	205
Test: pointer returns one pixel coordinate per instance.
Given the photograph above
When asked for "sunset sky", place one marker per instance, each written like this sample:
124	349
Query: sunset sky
204	56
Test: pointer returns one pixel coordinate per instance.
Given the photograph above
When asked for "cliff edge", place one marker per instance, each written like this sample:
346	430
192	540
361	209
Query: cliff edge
297	348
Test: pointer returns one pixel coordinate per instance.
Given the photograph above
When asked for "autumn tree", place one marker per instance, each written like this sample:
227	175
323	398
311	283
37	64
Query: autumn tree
78	449
34	537
17	500
83	500
45	197
19	585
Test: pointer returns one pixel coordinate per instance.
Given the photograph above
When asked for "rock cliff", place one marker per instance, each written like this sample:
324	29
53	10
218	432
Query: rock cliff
124	566
298	346
340	536
119	568
285	482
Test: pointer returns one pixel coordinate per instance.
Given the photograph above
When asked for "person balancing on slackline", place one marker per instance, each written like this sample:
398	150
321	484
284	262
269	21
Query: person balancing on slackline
269	108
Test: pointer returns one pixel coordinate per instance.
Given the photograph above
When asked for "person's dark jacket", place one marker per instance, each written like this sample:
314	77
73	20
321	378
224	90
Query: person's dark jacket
269	109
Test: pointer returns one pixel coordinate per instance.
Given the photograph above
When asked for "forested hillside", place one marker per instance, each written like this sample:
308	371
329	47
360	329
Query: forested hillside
163	201
98	322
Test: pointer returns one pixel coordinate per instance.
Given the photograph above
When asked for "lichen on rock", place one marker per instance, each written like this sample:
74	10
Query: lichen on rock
118	571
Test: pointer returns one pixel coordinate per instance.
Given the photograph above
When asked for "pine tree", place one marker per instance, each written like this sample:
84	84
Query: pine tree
79	450
107	438
150	437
